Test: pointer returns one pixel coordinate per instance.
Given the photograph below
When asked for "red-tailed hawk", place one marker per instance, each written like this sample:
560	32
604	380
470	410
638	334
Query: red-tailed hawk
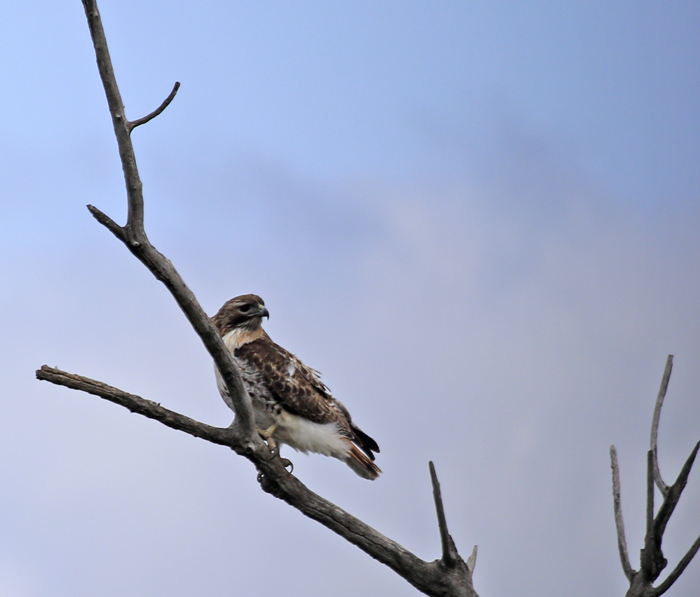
292	405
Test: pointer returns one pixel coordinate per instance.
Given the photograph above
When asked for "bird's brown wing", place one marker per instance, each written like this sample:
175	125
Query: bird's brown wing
295	386
299	389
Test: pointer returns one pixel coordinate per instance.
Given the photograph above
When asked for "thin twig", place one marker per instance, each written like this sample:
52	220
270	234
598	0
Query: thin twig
471	560
619	523
166	102
108	223
663	488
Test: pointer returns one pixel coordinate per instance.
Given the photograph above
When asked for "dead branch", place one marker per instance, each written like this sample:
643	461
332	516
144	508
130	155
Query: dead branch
663	488
652	560
678	570
141	406
133	235
619	523
450	576
432	578
449	551
166	102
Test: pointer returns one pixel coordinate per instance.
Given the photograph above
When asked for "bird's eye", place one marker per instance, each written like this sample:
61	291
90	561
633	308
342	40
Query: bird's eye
244	308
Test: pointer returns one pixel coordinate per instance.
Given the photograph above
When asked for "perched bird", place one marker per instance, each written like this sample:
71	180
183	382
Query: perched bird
291	404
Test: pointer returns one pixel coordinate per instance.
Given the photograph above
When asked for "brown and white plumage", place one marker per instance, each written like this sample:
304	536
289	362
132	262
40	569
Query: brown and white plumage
292	405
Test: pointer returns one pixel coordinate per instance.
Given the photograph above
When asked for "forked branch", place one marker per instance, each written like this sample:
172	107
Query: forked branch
450	576
432	578
133	235
450	555
652	560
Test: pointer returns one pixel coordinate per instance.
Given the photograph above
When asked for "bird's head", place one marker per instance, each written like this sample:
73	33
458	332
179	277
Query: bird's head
245	311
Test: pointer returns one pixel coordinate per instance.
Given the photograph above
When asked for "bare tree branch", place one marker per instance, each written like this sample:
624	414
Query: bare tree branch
619	523
119	121
674	493
664	515
108	223
449	551
166	102
222	436
663	488
678	570
133	235
432	578
650	492
652	560
447	577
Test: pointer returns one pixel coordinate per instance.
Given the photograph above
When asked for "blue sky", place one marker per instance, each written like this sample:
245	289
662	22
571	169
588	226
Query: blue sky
478	220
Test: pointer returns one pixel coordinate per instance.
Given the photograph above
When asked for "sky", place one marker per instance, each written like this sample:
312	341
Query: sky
478	220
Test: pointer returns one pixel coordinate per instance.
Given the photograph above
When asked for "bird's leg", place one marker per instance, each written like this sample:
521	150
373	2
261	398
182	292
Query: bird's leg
266	434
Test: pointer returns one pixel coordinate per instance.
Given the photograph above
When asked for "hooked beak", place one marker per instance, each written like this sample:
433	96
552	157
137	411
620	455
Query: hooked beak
264	313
